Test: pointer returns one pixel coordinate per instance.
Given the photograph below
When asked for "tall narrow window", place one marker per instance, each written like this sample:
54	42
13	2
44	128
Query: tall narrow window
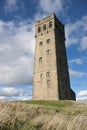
40	75
48	82
40	59
48	74
50	24
44	27
48	41
39	29
41	43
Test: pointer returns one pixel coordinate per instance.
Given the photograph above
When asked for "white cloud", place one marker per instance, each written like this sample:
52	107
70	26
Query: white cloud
76	61
16	52
11	2
83	45
51	6
17	44
82	99
11	5
40	16
77	74
15	98
75	33
11	93
82	95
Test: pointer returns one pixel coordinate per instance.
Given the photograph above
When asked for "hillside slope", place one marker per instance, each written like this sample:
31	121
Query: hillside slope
43	115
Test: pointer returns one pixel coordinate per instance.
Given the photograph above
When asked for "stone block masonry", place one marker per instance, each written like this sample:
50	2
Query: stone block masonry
51	76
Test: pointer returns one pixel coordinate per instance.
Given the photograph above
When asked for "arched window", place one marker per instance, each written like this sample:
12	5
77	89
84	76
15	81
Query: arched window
48	41
41	43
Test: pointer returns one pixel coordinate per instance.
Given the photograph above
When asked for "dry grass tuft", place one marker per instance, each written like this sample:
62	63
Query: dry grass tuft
30	116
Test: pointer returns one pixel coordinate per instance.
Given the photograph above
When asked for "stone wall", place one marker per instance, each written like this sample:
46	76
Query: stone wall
51	77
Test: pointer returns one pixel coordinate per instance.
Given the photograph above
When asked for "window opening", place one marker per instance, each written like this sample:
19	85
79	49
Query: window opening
47	52
40	59
48	41
44	27
40	75
50	24
48	74
39	29
48	82
41	43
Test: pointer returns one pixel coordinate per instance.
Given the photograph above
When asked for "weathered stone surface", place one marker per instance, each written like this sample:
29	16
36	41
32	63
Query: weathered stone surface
51	76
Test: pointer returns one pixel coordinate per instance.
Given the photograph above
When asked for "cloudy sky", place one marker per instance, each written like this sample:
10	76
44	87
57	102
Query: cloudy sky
17	44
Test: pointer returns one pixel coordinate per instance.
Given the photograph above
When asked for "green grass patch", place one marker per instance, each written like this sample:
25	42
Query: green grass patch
66	107
51	103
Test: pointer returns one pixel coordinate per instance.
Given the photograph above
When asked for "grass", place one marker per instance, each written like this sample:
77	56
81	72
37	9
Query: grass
62	106
51	103
43	115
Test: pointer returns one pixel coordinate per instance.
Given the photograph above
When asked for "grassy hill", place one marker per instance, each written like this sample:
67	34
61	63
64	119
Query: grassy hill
43	115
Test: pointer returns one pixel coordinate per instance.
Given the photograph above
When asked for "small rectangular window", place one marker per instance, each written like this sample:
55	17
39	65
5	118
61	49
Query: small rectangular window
44	27
48	74
40	59
50	24
48	41
41	43
39	29
47	52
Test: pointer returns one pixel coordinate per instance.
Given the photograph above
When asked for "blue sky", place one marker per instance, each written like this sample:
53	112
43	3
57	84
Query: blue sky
17	44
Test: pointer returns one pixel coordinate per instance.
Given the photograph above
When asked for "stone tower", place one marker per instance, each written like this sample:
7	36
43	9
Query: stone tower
51	76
